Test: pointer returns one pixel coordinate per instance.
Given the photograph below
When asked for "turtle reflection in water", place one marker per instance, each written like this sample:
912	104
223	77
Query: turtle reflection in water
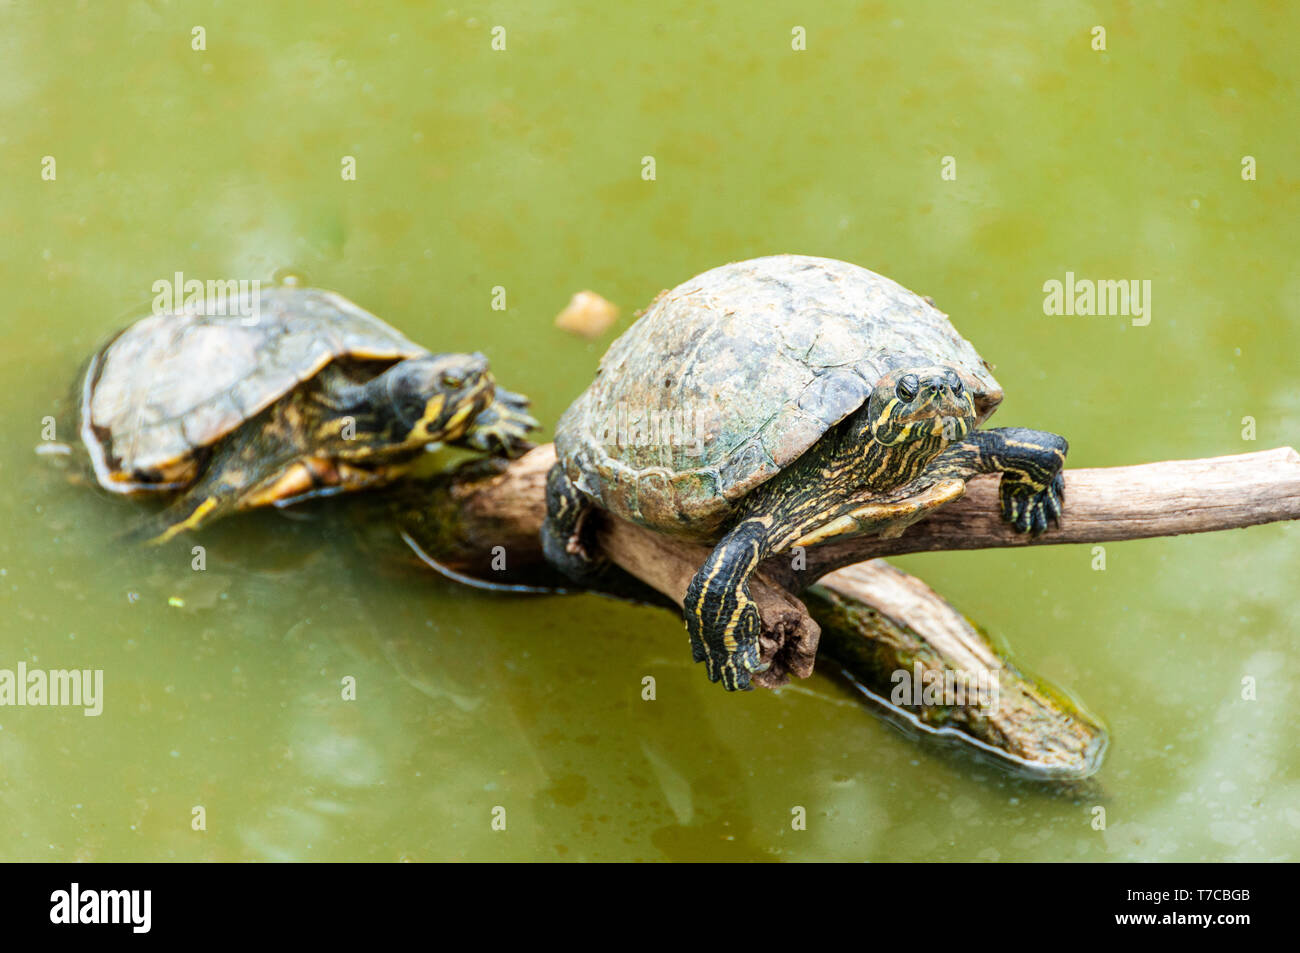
836	403
315	396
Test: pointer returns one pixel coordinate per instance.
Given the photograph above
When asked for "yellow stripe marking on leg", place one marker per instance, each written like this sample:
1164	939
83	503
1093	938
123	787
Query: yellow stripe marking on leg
889	519
844	524
190	522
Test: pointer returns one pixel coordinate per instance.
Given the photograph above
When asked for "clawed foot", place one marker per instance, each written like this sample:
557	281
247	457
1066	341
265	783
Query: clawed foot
570	555
1029	505
503	427
567	539
730	653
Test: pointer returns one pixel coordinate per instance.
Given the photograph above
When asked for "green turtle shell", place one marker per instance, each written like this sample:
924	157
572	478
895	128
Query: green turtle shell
171	384
731	376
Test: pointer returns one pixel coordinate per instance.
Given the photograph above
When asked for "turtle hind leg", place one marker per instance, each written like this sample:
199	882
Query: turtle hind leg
190	512
230	492
567	537
1032	490
223	489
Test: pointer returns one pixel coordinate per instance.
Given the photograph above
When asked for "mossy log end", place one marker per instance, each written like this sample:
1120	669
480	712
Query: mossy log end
882	626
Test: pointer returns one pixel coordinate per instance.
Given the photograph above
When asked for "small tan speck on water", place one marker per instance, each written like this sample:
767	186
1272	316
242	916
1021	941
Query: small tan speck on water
588	315
177	602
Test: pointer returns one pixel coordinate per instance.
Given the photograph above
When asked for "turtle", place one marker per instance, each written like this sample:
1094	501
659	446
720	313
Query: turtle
297	394
775	403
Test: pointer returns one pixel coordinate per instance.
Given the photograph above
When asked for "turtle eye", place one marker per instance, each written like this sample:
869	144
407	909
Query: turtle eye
954	383
907	388
452	381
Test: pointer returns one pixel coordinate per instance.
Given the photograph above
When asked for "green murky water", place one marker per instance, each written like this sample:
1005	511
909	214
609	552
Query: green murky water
522	169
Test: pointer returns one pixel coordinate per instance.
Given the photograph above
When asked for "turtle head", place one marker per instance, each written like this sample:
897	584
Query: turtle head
435	398
910	403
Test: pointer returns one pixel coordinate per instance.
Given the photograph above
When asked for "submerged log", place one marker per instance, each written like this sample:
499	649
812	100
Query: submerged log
480	523
894	637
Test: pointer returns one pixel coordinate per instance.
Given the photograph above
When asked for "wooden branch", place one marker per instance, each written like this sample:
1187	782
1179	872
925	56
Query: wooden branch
789	637
872	620
1101	505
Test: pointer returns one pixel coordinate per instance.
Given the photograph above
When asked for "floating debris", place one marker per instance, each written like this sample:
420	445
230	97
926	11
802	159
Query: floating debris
588	315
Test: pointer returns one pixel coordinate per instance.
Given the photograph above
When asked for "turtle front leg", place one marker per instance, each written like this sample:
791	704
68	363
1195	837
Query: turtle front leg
1030	461
502	429
722	619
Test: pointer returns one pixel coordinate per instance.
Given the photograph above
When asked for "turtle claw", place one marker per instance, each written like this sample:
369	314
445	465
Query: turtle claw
724	669
1056	498
567	539
730	667
503	427
1030	506
734	678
